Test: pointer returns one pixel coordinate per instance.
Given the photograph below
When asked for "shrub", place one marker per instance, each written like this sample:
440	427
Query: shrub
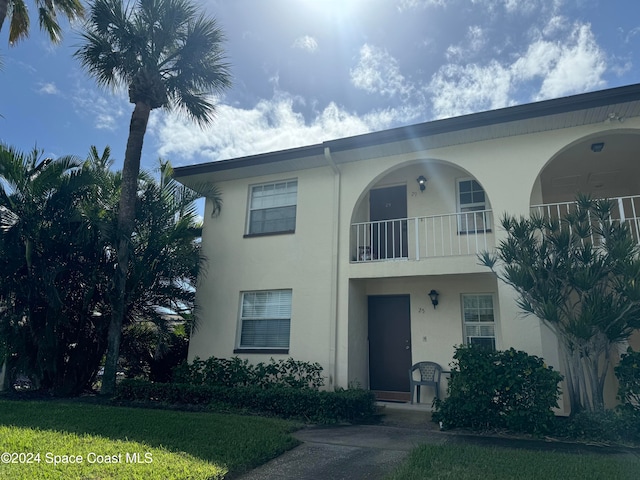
499	389
628	374
354	406
235	372
622	425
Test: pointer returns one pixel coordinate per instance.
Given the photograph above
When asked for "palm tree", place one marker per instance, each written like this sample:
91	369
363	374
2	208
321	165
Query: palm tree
49	258
169	56
47	17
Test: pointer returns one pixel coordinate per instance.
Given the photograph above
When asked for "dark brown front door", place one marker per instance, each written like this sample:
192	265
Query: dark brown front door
388	209
389	343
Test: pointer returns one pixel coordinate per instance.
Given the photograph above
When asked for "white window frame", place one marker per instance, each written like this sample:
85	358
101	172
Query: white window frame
469	223
478	329
284	202
269	306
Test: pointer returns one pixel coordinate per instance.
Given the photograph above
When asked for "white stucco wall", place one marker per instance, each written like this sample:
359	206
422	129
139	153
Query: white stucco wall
329	310
301	262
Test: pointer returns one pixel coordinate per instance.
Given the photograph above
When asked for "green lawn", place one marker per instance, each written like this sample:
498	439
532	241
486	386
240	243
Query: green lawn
106	442
466	462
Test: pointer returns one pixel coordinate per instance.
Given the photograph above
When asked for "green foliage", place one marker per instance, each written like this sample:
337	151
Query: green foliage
310	405
57	237
504	389
580	275
235	372
628	374
609	426
148	351
53	262
48	13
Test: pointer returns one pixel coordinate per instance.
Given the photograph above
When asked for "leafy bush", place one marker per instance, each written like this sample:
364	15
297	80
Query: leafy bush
622	425
354	406
235	372
499	389
628	374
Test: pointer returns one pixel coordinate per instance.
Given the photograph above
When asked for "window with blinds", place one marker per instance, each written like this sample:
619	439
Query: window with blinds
479	320
265	319
272	208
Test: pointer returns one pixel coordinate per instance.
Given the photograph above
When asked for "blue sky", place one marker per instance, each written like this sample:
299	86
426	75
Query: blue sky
305	71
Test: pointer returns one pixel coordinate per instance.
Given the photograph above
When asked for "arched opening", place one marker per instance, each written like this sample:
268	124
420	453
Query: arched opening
421	209
601	166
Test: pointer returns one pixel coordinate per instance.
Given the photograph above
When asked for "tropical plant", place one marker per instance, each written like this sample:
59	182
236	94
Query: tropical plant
57	236
580	275
53	271
169	56
47	17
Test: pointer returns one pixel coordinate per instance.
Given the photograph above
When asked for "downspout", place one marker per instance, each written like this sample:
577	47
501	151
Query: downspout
335	269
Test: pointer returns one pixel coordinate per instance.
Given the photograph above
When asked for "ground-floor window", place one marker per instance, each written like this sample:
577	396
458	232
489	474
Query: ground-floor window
479	320
265	319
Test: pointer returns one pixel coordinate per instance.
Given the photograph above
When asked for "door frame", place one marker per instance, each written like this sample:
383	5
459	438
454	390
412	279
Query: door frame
398	374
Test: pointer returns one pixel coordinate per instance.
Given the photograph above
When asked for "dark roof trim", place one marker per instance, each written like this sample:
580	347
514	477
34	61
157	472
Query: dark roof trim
543	108
250	161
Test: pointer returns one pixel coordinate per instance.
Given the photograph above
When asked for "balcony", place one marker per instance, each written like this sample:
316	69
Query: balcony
417	238
626	209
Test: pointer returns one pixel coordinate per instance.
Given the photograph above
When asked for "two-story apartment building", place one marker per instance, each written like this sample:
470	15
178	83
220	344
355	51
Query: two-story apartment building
328	253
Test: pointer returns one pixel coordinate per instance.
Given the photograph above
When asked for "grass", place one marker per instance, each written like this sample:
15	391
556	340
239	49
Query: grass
467	462
170	444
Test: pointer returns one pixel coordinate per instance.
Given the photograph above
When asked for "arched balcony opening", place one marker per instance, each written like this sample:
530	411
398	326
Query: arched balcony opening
602	166
421	210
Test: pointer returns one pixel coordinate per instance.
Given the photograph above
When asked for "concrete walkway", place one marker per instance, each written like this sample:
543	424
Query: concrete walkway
354	451
349	452
373	451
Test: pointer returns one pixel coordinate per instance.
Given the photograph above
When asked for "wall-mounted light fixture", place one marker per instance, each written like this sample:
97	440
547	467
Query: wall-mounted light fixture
597	147
422	181
433	295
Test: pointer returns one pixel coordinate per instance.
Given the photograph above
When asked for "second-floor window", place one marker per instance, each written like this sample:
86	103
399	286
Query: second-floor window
272	208
472	206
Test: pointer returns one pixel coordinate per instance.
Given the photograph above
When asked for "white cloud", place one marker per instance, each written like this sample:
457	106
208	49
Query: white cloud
105	110
307	43
48	89
461	89
410	4
525	7
570	65
564	65
475	42
270	125
378	72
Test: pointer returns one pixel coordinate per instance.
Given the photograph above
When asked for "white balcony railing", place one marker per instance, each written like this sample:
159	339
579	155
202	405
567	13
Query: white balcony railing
467	233
627	210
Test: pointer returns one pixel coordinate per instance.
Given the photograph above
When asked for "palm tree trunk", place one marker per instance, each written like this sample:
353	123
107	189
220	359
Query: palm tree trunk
4	5
3	375
126	222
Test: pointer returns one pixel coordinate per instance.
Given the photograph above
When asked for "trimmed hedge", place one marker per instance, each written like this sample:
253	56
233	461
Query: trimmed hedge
235	372
499	389
352	405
